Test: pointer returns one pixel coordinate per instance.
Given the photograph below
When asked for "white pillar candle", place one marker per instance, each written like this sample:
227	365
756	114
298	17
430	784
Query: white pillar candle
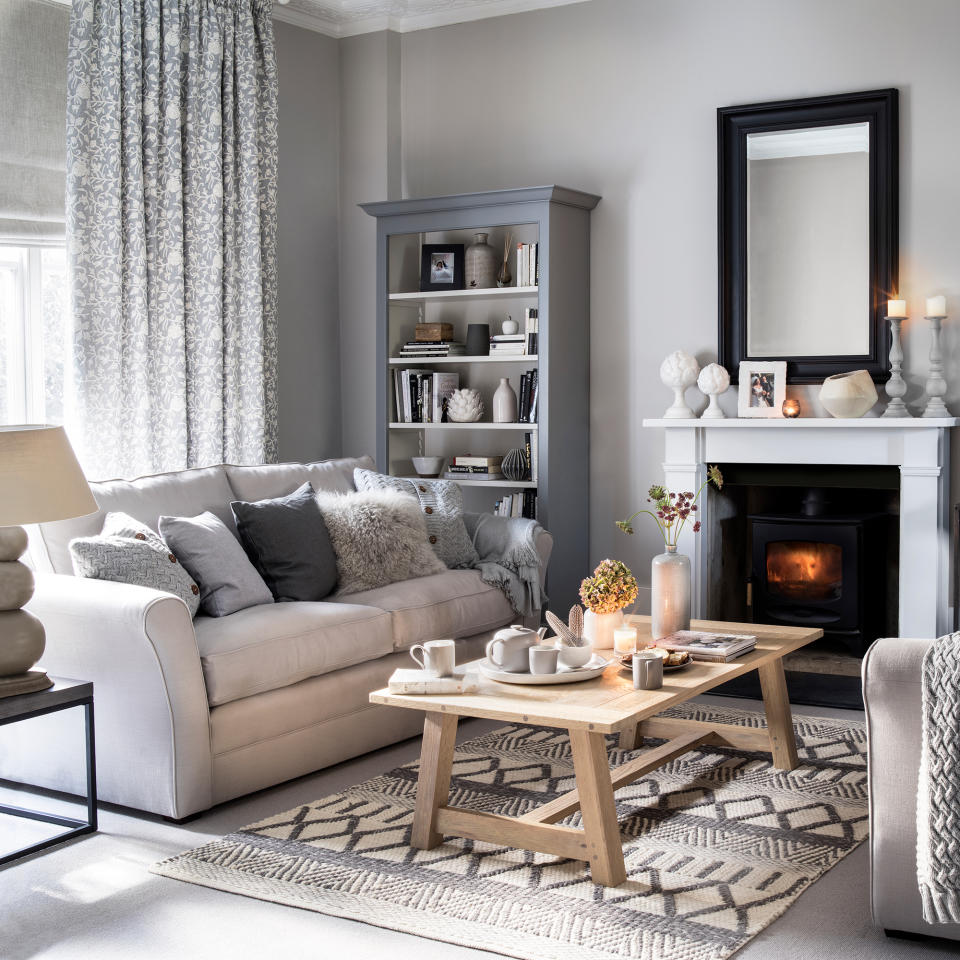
936	306
897	308
625	640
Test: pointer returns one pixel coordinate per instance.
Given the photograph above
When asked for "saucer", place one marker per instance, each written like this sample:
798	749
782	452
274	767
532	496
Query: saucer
593	668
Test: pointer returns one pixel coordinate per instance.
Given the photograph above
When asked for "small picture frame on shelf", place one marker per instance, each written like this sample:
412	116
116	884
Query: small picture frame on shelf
441	266
763	388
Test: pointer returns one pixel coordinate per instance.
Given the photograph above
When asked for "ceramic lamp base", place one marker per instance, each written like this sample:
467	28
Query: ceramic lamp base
29	682
22	637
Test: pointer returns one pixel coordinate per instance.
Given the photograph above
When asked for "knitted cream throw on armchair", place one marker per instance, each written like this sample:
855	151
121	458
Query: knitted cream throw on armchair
938	793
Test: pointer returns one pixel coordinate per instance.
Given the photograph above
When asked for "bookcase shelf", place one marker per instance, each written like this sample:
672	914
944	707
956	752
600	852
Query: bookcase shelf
427	361
479	425
557	219
452	296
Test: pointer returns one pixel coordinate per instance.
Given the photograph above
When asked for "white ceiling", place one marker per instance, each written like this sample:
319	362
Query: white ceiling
347	18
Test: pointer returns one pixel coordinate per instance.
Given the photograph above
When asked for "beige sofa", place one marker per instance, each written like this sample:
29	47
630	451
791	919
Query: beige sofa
192	713
892	698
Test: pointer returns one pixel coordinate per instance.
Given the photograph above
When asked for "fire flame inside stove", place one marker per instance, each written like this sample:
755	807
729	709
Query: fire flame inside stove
804	570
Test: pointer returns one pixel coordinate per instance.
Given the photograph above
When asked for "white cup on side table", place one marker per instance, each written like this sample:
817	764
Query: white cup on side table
437	656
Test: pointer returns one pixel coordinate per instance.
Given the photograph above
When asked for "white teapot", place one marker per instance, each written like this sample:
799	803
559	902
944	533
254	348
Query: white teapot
509	648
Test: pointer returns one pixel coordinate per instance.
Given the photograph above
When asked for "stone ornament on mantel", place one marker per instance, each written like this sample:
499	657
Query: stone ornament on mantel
713	381
678	371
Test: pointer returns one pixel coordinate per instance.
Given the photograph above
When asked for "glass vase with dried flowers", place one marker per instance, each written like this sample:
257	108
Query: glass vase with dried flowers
611	588
503	274
670	571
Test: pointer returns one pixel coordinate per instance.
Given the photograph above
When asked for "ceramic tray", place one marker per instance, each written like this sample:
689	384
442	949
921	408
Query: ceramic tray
626	665
593	668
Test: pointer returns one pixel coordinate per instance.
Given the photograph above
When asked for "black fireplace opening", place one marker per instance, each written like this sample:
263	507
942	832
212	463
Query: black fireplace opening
807	546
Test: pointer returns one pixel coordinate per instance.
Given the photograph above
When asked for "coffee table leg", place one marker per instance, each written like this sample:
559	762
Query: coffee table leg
776	703
597	807
630	738
433	783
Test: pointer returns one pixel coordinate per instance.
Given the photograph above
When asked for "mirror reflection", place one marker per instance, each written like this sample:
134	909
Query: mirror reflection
808	242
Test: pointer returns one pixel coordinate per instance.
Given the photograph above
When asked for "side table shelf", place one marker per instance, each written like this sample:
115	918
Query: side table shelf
63	695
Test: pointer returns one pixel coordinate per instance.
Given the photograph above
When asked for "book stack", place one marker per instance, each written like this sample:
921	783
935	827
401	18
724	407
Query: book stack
421	395
713	647
426	681
474	468
531	450
528	396
531	329
528	265
508	345
523	503
423	349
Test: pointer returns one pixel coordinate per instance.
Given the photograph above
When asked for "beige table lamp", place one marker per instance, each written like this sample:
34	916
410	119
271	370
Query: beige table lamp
40	481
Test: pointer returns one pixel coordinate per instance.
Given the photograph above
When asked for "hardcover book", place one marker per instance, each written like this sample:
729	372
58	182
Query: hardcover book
714	647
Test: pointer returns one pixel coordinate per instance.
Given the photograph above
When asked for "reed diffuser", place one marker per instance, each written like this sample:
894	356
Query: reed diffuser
504	277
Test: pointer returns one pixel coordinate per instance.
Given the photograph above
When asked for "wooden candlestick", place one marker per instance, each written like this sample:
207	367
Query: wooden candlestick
896	386
936	385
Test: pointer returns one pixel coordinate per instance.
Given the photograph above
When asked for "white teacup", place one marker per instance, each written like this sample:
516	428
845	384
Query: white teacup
438	656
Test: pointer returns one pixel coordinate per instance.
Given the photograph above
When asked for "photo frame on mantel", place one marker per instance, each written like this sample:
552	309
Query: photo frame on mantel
808	243
762	389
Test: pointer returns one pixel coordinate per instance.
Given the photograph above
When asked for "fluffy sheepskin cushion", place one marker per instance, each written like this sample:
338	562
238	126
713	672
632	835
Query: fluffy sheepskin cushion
379	537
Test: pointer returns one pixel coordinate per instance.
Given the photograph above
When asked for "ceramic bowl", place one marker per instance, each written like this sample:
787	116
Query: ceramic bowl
428	466
574	657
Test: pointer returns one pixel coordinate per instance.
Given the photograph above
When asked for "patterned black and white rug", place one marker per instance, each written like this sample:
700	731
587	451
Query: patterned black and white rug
718	844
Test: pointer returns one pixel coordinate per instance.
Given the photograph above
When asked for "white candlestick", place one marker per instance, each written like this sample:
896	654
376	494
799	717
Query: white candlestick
897	308
936	306
625	640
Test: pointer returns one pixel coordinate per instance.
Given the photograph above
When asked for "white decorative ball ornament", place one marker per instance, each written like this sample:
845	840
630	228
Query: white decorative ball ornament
510	326
678	371
465	406
713	381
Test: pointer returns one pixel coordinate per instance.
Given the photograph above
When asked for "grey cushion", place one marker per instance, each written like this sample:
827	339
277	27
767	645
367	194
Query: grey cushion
442	504
146	563
214	558
288	543
379	537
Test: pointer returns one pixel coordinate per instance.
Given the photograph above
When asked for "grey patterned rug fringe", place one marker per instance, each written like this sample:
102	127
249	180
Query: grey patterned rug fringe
718	844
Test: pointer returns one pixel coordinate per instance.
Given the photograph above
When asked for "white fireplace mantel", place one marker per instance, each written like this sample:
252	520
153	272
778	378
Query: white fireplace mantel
919	447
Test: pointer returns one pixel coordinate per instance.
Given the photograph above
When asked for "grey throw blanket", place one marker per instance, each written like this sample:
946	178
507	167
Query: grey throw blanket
938	793
507	547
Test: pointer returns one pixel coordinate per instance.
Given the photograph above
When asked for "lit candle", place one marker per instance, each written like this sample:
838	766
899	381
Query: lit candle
897	308
936	306
791	408
625	640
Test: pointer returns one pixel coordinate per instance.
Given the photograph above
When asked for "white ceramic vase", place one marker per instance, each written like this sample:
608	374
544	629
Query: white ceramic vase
598	628
504	403
669	593
848	395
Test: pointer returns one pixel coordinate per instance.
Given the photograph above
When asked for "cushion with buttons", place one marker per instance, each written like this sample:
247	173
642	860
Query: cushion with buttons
442	504
143	562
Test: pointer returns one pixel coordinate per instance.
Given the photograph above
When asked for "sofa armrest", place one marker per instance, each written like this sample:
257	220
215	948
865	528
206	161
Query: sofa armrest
138	647
892	696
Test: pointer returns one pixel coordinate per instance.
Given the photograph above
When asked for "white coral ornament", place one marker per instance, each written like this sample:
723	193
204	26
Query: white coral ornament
465	406
713	381
678	371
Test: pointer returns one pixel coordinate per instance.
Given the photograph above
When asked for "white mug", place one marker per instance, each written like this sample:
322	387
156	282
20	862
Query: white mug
439	656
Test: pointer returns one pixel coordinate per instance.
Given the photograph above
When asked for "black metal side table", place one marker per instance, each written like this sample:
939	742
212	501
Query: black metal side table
63	695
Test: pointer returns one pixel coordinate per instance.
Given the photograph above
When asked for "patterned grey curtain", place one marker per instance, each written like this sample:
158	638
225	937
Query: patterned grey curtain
171	233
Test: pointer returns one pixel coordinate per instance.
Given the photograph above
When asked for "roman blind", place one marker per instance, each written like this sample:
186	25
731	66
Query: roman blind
33	81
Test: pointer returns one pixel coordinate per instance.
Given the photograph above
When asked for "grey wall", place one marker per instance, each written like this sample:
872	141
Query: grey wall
308	212
619	97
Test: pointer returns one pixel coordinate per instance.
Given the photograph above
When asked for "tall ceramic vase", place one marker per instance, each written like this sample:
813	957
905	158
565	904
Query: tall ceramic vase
480	263
598	628
670	593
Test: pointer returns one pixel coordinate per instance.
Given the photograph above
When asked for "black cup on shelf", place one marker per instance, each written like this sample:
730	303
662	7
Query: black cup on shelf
478	339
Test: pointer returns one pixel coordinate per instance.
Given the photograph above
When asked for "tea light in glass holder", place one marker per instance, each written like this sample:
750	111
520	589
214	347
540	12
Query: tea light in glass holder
625	640
791	408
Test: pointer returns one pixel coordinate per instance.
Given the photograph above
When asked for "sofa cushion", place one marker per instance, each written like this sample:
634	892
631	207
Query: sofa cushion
287	541
268	647
184	493
456	603
278	479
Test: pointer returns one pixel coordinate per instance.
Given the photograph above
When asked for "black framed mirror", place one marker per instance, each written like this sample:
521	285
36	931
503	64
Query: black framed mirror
808	203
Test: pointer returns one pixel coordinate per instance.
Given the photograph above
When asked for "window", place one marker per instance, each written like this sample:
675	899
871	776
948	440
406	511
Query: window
33	332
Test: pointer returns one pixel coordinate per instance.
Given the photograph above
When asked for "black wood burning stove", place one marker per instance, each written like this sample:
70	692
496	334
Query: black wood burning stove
821	571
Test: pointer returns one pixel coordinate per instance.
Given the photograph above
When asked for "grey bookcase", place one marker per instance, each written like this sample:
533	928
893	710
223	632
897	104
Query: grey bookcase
558	219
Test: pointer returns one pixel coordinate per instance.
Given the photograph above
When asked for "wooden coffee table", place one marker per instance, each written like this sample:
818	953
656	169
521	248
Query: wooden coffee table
589	711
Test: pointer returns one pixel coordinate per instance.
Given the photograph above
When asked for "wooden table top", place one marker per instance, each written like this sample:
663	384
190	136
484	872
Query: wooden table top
608	703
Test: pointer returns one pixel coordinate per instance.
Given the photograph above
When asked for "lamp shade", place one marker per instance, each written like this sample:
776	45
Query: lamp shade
40	478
